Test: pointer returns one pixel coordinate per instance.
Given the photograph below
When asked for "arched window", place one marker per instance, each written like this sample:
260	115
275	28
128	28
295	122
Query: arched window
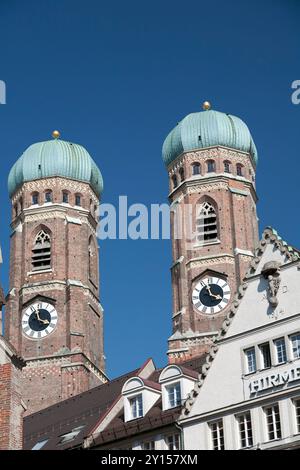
207	226
181	173
77	200
35	199
174	181
41	252
16	210
65	197
239	169
48	196
196	168
211	166
227	166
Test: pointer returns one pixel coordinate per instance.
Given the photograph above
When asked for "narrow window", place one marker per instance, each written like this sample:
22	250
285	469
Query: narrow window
280	350
295	343
174	181
239	170
21	204
150	445
273	422
77	200
196	168
265	355
206	224
174	395
297	409
245	428
136	407
41	252
16	210
35	199
217	435
211	166
251	360
65	197
173	442
181	173
227	167
48	196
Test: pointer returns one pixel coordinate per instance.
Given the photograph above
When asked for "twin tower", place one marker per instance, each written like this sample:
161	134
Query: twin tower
54	317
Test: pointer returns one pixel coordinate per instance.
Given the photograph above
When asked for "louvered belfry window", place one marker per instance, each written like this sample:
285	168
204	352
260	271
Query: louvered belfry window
207	227
41	252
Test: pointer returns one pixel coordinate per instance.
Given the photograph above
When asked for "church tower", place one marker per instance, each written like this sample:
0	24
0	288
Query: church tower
54	318
211	162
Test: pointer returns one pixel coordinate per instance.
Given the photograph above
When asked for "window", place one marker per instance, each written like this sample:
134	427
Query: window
174	181
211	166
273	422
207	223
239	170
16	210
245	428
65	197
297	409
265	355
21	204
77	200
227	167
217	435
280	350
35	199
173	442
181	173
39	445
174	395
69	436
251	360
41	252
150	445
295	343
136	407
48	196
196	168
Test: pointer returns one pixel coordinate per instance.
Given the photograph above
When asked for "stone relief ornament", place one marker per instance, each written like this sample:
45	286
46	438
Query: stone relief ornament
271	272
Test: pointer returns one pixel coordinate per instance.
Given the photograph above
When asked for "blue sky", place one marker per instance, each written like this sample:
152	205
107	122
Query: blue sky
116	77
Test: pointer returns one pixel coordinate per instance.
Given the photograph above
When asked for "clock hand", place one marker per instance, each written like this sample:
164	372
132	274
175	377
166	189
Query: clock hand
46	322
218	297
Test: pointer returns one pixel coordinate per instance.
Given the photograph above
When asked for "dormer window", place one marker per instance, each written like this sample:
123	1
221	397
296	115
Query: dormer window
174	395
139	396
176	382
136	406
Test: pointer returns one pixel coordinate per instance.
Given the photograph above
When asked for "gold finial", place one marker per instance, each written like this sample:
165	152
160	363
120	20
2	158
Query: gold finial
206	105
56	134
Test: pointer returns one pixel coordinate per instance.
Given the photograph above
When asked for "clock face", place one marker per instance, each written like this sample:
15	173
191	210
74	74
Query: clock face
39	320
211	295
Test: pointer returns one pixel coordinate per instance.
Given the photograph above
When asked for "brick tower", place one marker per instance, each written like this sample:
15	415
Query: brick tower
54	318
211	161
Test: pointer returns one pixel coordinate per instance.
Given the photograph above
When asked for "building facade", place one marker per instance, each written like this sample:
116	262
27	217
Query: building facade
54	318
255	362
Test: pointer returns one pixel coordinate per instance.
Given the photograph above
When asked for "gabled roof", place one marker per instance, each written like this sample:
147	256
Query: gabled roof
270	236
88	409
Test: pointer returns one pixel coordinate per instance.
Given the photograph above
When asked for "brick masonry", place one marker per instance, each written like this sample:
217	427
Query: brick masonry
71	286
234	199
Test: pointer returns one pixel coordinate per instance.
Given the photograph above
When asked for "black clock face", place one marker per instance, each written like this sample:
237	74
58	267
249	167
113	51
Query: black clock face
39	320
211	295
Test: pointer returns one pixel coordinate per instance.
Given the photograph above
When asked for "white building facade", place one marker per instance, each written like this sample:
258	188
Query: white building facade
248	395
